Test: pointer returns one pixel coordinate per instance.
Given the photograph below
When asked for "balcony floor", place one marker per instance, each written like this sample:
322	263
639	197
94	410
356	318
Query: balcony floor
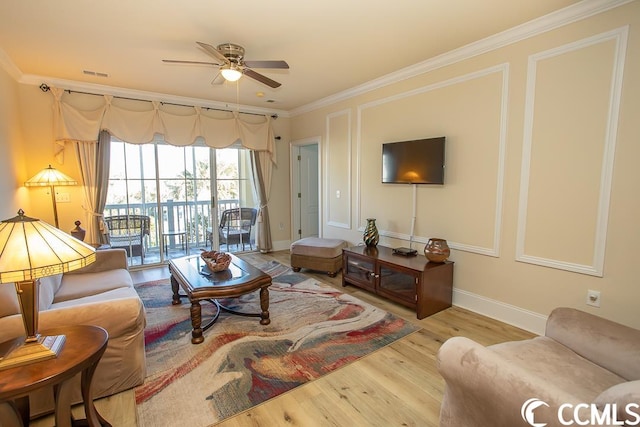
152	256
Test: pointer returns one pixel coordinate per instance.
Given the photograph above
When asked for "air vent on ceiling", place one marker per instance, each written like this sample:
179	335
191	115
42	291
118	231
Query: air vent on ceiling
95	73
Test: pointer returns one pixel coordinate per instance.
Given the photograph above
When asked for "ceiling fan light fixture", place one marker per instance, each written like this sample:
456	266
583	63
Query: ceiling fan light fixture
231	73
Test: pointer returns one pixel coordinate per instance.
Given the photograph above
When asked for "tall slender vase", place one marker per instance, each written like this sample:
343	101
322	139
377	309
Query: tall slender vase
371	236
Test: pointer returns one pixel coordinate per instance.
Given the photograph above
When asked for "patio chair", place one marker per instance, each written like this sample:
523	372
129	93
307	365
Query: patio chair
128	232
235	226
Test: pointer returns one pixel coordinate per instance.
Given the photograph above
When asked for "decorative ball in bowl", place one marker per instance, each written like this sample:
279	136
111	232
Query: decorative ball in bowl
216	261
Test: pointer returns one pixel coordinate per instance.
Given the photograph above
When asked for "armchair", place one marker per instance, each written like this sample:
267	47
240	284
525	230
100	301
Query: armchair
582	363
128	232
235	226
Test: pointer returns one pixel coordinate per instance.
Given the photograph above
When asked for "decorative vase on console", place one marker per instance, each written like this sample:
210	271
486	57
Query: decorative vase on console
371	251
371	236
78	232
437	250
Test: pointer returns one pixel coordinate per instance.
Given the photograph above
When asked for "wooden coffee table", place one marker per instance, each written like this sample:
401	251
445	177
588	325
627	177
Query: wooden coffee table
192	275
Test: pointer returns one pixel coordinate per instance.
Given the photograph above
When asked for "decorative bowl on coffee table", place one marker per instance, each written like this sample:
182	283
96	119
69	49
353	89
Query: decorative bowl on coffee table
216	261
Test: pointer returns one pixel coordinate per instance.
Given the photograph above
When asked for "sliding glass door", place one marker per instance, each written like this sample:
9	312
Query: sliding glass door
236	211
184	183
181	190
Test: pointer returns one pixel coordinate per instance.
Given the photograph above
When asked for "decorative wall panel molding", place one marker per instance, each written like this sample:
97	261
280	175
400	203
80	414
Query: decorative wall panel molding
338	159
494	223
571	117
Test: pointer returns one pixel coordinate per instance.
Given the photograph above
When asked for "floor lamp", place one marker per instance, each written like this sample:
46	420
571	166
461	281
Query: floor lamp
50	177
31	249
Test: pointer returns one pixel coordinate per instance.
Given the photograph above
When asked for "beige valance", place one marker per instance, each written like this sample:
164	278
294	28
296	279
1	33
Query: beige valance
138	126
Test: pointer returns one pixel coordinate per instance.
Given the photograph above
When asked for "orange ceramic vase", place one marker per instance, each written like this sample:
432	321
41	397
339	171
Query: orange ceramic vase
437	250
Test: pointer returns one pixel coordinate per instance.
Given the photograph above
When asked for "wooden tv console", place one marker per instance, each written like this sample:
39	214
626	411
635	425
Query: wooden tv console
412	281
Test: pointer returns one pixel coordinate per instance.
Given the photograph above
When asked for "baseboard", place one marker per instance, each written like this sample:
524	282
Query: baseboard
281	245
516	316
507	313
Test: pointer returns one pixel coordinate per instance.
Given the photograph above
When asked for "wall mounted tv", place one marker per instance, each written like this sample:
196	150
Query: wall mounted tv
413	162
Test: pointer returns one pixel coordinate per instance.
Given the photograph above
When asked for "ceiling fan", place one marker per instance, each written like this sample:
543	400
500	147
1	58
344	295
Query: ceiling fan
232	65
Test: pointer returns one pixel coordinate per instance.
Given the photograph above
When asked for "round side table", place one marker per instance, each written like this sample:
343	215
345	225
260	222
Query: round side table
83	348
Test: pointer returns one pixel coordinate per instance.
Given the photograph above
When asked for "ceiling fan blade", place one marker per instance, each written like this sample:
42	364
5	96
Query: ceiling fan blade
177	61
262	79
213	52
266	64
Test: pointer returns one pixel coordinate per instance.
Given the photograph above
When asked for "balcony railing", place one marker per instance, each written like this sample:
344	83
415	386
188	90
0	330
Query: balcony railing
192	218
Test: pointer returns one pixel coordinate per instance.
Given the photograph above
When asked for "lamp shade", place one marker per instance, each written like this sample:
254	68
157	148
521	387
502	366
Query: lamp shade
30	249
50	176
231	73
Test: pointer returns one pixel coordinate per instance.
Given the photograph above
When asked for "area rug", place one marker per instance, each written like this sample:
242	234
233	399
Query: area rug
314	330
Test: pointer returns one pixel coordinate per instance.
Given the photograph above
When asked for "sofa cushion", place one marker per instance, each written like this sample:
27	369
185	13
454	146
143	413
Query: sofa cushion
75	286
104	297
48	287
8	300
621	395
9	304
594	338
318	247
558	365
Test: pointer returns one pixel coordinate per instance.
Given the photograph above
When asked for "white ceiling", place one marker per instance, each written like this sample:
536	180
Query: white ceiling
330	46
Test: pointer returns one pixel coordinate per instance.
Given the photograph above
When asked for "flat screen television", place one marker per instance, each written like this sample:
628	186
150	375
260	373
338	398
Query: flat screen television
413	162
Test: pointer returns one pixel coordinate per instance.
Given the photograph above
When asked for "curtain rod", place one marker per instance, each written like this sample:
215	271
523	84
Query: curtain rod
45	88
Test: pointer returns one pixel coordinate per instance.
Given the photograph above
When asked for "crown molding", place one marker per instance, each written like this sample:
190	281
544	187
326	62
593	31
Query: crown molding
31	79
565	16
36	80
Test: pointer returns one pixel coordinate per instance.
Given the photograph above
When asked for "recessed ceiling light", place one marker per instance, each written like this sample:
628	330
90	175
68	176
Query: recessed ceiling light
271	100
259	94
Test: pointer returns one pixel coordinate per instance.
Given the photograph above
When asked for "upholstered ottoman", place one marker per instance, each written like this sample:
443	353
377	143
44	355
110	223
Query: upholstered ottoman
319	254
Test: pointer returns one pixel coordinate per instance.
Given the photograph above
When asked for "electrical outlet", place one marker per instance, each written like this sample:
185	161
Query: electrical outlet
62	198
593	298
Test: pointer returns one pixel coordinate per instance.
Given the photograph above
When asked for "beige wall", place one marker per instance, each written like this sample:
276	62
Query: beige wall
540	202
12	163
280	195
36	115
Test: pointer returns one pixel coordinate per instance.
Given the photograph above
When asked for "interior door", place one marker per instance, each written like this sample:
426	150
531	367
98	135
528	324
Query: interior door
309	193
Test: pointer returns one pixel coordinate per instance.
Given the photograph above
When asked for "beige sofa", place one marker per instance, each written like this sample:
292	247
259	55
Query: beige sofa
100	294
583	361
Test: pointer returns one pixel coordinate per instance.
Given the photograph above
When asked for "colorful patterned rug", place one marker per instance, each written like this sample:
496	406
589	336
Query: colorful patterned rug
314	330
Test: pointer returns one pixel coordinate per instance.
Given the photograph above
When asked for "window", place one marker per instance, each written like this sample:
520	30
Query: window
173	187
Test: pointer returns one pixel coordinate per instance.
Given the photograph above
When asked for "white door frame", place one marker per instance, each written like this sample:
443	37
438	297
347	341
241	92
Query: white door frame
294	184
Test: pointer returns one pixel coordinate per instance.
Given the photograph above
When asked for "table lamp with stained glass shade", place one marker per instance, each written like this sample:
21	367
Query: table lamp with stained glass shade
31	249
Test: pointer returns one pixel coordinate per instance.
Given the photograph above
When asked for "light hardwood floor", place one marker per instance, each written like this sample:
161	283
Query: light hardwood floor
396	385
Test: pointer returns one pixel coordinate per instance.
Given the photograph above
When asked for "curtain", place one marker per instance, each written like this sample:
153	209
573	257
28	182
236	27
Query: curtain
138	121
103	163
94	169
261	168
